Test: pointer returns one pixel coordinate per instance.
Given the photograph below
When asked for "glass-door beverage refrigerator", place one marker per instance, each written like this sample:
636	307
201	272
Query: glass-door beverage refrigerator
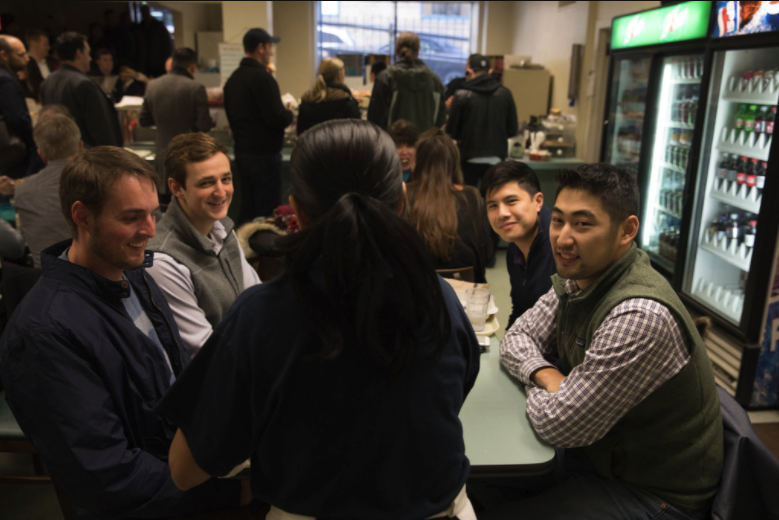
732	239
657	68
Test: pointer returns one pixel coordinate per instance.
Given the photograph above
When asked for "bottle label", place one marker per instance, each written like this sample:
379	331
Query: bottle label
741	178
749	240
769	127
739	123
751	180
760	181
749	125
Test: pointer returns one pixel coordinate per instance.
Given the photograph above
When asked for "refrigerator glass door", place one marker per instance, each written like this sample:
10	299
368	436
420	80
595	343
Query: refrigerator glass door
677	110
738	132
626	112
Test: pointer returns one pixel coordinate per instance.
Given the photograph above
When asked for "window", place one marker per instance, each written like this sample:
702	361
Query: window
444	29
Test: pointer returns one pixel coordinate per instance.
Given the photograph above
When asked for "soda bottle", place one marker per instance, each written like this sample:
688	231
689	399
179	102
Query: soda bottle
733	229
732	169
693	109
752	173
760	120
769	121
749	236
746	79
741	173
684	107
749	118
742	110
723	167
760	176
722	228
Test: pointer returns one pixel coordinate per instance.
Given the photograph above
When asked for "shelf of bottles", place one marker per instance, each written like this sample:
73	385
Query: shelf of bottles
678	110
627	113
742	135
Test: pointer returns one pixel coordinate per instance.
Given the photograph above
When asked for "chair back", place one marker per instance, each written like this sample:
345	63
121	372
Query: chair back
466	274
749	471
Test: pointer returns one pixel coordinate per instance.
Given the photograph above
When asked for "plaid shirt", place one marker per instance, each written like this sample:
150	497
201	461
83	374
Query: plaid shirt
639	346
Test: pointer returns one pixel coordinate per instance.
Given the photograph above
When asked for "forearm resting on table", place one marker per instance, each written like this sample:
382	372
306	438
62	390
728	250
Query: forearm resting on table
184	471
547	378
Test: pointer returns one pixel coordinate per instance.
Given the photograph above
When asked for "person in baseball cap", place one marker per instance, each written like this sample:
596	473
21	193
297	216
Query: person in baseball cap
257	119
477	63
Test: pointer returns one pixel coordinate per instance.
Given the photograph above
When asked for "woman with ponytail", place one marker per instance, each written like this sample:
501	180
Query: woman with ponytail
343	377
450	217
329	99
408	90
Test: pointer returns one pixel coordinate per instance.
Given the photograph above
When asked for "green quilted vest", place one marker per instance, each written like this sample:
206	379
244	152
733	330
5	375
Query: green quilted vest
671	442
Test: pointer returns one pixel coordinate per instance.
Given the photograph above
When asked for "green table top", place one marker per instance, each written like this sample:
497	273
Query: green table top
499	439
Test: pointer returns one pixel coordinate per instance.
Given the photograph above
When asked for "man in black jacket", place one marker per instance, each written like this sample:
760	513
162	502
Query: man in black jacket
257	118
94	347
14	115
482	118
94	112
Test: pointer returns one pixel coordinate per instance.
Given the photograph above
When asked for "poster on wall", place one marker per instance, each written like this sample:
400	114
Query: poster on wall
230	56
736	18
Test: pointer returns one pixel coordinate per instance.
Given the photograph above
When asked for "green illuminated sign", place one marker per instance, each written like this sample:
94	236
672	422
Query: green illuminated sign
685	21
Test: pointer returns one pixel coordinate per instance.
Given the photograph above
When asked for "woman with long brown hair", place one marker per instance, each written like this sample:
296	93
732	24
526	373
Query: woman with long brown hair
450	217
329	99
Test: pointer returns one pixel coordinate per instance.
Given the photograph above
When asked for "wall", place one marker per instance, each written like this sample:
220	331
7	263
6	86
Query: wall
294	24
239	17
545	32
191	17
498	27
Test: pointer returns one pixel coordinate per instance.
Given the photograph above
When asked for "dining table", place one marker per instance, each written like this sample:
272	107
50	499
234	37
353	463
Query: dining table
499	438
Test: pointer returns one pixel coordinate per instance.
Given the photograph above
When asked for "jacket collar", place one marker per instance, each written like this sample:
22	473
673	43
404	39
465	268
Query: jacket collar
78	276
71	68
181	71
606	281
250	62
187	232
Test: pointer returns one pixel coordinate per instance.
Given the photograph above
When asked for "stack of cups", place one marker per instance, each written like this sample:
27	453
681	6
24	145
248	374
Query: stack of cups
476	310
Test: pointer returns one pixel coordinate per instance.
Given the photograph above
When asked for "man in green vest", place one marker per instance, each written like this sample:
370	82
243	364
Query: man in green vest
633	402
198	262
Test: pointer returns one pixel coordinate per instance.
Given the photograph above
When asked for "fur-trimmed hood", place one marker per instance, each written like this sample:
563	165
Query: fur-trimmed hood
245	232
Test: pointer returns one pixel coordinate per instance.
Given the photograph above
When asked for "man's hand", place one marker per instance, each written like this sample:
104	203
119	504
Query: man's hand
548	378
7	185
449	102
246	492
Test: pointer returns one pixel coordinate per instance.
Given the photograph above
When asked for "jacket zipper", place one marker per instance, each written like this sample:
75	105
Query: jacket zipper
151	296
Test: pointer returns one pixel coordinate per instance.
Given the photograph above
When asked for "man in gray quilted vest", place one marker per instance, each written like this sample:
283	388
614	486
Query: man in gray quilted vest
632	399
199	264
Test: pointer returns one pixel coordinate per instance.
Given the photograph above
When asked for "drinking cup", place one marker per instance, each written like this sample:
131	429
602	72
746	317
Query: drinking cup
477	314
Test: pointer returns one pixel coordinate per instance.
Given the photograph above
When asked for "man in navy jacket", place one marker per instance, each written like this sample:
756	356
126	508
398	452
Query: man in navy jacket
516	211
13	108
93	348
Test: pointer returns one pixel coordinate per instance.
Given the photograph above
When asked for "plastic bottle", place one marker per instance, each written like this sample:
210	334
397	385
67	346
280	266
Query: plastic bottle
733	229
724	165
760	176
752	173
732	169
760	120
741	173
749	236
769	121
749	118
742	110
723	224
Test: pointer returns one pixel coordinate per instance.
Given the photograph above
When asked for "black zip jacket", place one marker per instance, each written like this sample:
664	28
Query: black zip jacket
254	109
82	381
482	118
531	279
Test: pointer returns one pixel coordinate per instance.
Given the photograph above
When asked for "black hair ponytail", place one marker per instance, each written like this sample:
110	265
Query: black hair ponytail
359	270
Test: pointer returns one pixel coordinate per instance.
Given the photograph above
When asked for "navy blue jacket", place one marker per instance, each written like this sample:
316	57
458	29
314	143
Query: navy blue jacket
531	280
13	107
82	381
